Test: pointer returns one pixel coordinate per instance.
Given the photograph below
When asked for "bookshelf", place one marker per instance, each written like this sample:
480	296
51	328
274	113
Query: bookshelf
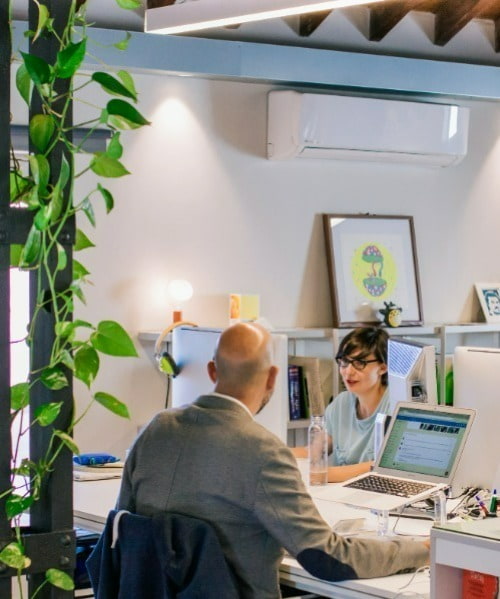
323	343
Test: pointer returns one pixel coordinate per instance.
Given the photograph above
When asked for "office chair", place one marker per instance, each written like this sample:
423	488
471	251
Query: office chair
163	556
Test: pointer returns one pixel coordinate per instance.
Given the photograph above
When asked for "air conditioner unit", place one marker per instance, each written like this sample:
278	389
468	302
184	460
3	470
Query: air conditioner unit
352	128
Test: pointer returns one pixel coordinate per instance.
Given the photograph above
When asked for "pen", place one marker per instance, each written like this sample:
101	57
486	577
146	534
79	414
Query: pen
482	506
493	502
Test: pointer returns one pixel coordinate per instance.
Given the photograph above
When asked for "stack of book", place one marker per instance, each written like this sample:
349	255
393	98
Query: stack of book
309	386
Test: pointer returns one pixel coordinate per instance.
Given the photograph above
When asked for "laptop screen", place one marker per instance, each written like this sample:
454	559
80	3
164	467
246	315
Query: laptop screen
424	441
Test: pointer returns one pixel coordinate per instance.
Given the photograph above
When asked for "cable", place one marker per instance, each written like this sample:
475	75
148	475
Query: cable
402	593
167	394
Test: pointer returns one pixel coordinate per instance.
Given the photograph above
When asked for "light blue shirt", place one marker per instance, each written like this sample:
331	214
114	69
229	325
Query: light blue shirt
352	437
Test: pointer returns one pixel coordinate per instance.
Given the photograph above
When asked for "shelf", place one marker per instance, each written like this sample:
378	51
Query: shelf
298	333
478	327
297	424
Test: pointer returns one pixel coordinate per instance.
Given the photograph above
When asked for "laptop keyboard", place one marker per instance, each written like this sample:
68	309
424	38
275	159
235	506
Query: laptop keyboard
389	486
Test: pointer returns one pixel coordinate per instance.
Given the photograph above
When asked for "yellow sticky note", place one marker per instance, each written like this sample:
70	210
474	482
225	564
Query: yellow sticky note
243	308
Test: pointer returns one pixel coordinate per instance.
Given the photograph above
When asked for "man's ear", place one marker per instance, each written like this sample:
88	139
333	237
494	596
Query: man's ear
212	371
271	378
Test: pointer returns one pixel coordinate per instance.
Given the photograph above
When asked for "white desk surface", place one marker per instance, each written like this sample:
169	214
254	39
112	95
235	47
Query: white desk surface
94	499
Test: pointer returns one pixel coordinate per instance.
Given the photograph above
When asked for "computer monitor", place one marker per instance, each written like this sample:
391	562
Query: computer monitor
476	384
411	372
194	347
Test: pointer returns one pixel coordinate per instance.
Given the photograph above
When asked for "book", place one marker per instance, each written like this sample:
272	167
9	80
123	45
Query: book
476	585
295	391
318	383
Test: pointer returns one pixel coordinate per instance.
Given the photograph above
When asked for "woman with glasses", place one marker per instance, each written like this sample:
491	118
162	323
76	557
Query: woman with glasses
350	418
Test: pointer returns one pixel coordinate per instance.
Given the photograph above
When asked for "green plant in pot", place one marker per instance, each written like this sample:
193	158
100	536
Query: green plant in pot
42	185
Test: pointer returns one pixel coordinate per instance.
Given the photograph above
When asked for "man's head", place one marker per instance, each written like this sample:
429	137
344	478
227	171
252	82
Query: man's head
242	365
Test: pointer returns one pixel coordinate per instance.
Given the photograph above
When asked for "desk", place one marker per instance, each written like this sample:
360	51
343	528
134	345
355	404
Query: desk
469	545
94	499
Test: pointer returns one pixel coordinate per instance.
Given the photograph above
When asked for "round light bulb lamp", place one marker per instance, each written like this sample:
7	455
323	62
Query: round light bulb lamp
180	291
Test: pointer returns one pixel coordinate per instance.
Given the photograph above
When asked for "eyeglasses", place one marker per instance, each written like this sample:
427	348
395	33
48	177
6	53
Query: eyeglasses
356	363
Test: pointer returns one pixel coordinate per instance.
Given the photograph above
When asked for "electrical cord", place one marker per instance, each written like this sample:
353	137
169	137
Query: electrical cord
402	593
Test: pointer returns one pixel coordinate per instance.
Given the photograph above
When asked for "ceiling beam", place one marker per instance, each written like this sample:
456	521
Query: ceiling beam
290	66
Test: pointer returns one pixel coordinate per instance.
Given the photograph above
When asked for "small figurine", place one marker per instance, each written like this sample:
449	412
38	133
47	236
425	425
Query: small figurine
392	314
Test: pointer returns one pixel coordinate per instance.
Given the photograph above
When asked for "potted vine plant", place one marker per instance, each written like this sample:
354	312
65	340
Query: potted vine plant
46	190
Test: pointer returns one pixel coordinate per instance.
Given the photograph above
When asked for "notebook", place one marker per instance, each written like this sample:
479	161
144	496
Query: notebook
422	448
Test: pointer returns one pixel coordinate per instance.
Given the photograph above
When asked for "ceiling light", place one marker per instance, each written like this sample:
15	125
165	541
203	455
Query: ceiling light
194	15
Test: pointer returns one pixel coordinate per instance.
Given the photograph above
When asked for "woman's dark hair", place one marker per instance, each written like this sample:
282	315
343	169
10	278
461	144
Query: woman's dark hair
364	341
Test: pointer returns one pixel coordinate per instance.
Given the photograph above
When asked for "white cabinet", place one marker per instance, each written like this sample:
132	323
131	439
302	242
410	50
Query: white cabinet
468	545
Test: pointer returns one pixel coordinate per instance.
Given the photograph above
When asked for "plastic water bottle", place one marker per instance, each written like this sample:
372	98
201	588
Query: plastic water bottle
318	451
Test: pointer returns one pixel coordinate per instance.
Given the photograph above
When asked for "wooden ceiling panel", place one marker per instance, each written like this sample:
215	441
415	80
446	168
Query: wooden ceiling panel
451	16
309	23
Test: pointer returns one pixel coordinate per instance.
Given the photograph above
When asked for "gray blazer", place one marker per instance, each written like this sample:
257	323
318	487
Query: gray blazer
211	460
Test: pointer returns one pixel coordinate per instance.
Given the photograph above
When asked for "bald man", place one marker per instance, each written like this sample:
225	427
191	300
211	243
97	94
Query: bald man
211	460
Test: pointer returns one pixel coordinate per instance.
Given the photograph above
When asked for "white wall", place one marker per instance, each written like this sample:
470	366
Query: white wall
204	204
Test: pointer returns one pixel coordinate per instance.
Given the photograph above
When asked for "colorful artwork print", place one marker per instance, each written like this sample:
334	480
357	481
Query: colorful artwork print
374	270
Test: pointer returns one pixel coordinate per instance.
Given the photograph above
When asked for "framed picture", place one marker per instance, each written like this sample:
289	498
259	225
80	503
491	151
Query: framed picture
489	298
372	261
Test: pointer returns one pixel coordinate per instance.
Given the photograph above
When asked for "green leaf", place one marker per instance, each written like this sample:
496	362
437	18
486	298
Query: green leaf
43	19
31	198
23	83
68	441
111	85
25	468
112	339
88	210
19	185
62	257
19	396
105	166
82	241
123	44
47	413
70	59
115	148
67	359
77	292
108	198
127	80
60	579
38	70
64	173
16	505
15	254
13	556
31	251
41	130
112	404
129	4
126	116
53	378
40	170
79	271
42	218
86	365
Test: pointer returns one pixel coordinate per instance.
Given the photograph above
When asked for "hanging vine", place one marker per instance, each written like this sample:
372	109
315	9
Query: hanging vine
77	344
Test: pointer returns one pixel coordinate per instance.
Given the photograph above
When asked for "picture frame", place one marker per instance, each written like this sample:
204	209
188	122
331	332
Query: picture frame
489	299
372	261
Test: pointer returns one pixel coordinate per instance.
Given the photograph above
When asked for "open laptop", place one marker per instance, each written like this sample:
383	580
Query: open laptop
420	454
